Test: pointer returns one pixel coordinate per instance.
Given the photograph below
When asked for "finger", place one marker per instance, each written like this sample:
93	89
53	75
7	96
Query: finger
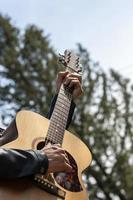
57	145
74	83
75	75
67	159
48	145
68	168
68	80
77	93
67	165
52	146
62	75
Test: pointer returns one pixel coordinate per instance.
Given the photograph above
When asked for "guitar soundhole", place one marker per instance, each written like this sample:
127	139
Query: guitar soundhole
40	145
69	181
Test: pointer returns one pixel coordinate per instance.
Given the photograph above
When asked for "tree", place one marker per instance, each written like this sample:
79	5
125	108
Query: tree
28	68
103	118
104	121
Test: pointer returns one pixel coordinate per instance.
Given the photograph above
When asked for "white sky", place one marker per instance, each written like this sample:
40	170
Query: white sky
104	27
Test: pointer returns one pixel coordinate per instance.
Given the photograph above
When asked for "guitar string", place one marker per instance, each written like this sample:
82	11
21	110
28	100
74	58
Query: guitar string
65	92
54	120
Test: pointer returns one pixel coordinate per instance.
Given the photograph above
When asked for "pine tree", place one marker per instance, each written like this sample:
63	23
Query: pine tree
104	122
28	69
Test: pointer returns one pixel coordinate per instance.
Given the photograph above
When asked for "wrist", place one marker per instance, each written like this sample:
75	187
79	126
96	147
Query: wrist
43	162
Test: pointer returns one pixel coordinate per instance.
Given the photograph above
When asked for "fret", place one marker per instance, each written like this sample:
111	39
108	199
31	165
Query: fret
64	95
62	105
58	113
56	132
61	110
59	129
61	100
57	120
55	139
57	124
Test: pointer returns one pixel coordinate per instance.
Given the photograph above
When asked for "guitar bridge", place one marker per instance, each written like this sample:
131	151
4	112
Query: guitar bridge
48	186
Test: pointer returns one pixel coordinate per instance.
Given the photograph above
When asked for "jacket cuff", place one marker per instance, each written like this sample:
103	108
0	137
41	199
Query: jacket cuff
43	162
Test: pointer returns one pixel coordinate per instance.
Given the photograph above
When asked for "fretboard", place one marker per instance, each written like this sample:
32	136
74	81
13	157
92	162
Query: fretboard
59	116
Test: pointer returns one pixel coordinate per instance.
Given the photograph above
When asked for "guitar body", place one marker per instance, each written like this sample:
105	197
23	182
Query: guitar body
23	190
32	129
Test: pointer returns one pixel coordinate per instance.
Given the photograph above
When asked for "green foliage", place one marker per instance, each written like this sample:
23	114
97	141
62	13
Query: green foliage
104	115
28	68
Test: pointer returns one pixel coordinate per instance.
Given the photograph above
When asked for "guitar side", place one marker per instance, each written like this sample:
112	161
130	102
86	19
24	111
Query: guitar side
32	129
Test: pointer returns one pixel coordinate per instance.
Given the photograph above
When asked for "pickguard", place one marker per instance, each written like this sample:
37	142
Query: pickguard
70	180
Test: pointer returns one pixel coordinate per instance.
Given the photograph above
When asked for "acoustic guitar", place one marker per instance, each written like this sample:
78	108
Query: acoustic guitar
30	130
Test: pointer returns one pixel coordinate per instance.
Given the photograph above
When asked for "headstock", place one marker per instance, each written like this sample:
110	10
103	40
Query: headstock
71	61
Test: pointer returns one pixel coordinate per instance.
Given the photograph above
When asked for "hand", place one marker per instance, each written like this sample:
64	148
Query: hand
72	80
57	158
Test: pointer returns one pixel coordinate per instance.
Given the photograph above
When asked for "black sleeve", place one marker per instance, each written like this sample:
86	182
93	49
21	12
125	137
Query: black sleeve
71	111
16	163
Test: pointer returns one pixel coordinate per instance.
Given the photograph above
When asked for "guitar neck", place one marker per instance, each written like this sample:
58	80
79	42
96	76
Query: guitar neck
59	116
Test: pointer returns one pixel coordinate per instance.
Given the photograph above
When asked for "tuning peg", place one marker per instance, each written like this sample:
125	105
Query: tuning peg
62	59
79	69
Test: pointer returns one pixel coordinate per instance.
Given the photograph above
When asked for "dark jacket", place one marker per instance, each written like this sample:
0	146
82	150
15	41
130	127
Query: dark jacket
16	163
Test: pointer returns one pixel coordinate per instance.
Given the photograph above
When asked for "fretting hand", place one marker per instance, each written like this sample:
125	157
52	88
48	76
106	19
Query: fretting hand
72	80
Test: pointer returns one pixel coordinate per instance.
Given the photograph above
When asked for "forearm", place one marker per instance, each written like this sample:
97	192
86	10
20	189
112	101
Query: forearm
19	163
